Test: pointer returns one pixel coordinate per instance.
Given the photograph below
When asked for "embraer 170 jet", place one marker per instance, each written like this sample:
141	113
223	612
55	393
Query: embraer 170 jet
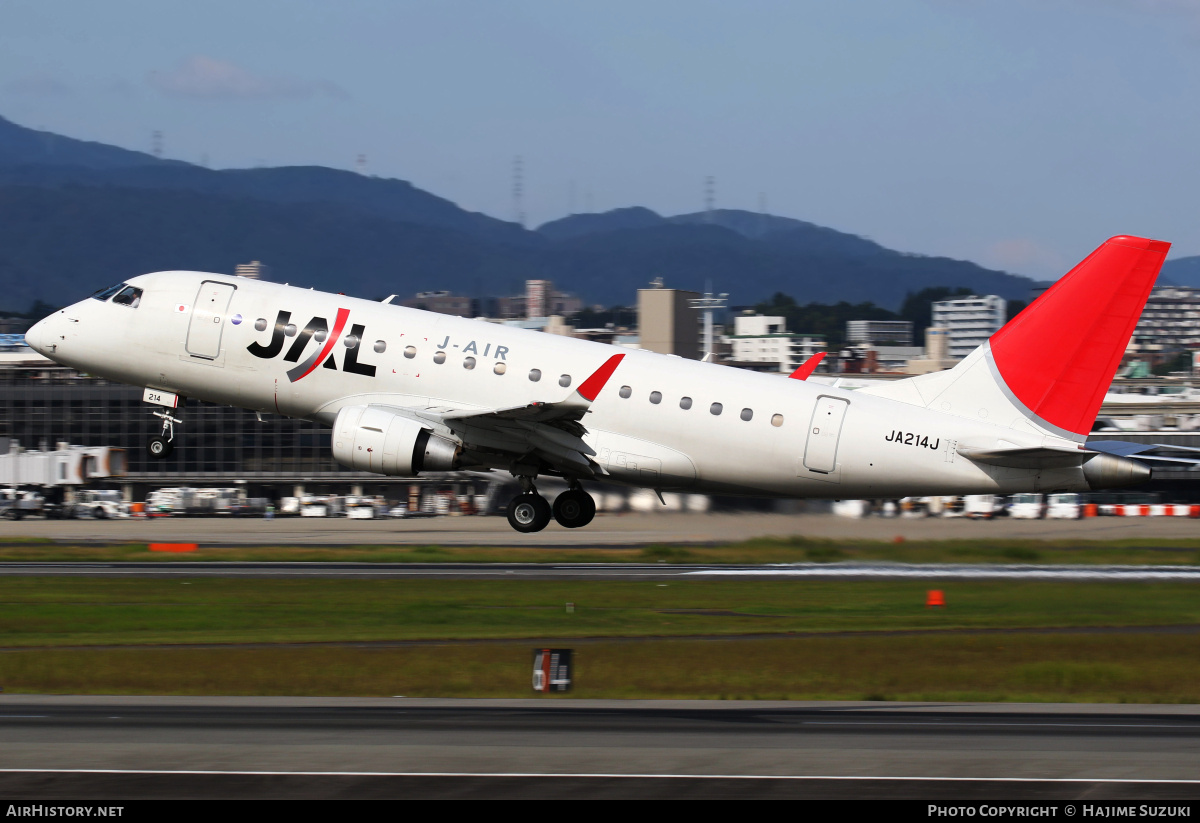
408	391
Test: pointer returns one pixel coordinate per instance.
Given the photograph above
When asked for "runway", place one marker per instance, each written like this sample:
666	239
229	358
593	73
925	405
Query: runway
123	747
606	531
603	571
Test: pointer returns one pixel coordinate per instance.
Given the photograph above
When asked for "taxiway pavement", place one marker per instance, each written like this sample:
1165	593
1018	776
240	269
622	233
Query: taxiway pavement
104	747
606	531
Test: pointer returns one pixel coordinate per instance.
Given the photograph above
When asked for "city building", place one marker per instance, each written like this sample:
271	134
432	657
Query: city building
873	332
936	356
442	302
1170	321
667	323
969	321
759	339
254	270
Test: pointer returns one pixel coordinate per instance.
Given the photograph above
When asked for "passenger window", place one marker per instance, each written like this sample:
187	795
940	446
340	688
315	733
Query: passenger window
439	358
625	392
565	380
777	420
500	368
319	335
129	296
656	397
380	347
351	341
290	329
535	375
260	324
106	293
715	408
685	402
469	363
410	352
747	414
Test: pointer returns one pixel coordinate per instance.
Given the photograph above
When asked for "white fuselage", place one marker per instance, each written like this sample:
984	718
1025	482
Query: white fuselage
829	442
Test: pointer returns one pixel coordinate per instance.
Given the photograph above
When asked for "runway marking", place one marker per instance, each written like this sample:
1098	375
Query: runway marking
984	723
609	775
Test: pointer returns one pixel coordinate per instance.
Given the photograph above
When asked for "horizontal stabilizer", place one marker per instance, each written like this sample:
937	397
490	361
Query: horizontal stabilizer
1037	457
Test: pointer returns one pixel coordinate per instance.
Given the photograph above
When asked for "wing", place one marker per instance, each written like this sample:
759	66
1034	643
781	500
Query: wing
546	434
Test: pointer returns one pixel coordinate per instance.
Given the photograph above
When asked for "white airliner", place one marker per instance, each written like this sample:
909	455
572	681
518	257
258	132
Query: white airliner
408	391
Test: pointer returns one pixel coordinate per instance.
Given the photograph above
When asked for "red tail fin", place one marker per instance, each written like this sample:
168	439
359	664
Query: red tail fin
808	366
1059	356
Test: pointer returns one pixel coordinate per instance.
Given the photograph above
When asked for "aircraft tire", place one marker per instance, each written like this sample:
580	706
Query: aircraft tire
528	513
159	448
574	508
99	513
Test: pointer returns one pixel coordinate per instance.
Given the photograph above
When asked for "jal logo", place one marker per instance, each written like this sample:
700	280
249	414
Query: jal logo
317	327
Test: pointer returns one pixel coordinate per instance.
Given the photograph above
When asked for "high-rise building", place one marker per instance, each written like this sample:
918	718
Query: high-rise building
760	338
537	293
1170	321
969	321
667	323
442	302
254	270
895	332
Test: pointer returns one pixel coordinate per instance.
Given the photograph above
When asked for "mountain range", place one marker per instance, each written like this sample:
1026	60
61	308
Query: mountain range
77	215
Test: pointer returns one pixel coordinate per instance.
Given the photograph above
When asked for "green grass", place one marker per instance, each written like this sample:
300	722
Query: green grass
1028	668
796	549
119	611
699	638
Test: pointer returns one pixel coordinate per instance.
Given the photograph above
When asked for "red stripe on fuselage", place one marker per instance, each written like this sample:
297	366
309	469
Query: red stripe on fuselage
338	325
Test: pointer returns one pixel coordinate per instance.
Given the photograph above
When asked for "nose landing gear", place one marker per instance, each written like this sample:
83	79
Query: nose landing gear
160	446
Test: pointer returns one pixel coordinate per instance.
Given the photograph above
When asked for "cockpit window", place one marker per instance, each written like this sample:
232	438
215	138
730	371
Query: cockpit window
104	294
129	296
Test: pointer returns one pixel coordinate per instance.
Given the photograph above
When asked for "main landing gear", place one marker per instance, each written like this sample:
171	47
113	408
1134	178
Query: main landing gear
161	445
529	511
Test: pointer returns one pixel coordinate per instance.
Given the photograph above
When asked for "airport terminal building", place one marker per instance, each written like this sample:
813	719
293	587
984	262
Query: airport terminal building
43	404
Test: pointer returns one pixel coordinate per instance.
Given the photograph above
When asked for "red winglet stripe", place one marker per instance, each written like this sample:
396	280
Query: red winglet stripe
338	325
592	386
808	367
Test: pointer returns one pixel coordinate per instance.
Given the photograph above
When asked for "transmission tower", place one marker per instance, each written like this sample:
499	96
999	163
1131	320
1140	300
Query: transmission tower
708	304
156	144
518	191
710	197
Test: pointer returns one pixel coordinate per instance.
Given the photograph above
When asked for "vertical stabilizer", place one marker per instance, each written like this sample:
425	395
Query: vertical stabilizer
1048	369
1059	356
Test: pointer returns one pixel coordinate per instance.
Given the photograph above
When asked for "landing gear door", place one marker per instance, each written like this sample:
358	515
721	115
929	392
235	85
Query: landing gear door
824	431
208	319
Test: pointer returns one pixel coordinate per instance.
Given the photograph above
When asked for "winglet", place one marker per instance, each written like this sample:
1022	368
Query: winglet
591	387
808	367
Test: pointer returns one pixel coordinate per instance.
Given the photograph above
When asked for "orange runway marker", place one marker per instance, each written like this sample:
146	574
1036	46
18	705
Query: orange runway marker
936	599
173	547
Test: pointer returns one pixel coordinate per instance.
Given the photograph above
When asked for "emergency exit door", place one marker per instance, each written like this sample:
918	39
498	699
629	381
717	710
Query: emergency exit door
208	319
820	453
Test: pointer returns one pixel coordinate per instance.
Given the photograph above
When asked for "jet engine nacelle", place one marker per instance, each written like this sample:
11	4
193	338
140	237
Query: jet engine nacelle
373	439
1107	471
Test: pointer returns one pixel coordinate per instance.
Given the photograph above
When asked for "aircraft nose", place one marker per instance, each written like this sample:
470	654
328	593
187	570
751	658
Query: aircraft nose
40	336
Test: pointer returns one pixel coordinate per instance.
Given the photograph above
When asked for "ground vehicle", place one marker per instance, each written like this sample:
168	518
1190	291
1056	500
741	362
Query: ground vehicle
101	504
18	503
1065	506
1026	507
983	506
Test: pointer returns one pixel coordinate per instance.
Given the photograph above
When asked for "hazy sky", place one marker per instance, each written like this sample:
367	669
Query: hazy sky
1016	133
